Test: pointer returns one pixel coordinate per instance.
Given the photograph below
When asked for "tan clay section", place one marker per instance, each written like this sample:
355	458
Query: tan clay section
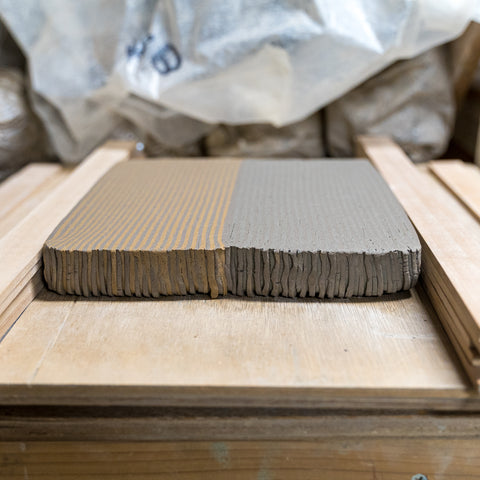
152	205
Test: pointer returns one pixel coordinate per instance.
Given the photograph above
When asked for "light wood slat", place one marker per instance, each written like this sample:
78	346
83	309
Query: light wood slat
434	288
24	190
450	235
20	249
334	458
211	353
463	350
23	299
16	188
462	179
19	195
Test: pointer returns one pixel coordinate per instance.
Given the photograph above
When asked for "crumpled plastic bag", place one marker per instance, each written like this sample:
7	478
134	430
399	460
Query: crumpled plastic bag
94	64
298	140
21	135
412	100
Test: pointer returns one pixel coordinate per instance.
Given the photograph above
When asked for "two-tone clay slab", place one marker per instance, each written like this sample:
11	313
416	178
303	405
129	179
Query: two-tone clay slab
316	228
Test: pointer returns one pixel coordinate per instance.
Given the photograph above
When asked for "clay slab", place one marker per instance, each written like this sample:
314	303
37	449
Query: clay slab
293	228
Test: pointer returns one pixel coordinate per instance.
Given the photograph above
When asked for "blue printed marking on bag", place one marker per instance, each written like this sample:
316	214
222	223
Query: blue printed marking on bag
165	60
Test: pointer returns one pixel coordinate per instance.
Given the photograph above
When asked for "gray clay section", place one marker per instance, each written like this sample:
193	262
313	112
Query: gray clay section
316	206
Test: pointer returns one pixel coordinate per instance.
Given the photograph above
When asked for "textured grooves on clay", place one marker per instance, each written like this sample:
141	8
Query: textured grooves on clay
255	227
252	272
240	271
141	274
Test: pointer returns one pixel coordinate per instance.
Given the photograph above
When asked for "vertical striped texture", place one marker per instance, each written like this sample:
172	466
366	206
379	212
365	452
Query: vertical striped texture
147	228
255	227
152	205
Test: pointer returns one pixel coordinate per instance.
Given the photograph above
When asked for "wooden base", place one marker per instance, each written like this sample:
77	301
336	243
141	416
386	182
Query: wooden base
330	459
129	389
450	238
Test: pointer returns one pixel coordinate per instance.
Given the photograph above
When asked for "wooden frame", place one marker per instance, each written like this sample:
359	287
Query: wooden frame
450	239
20	249
462	179
279	389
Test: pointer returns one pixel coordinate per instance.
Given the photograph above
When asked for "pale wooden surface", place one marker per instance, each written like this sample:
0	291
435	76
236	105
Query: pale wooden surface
20	249
328	459
387	353
23	191
462	179
261	353
450	238
202	347
400	340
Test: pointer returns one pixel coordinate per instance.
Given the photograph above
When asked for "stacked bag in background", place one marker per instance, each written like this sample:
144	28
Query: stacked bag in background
22	138
262	79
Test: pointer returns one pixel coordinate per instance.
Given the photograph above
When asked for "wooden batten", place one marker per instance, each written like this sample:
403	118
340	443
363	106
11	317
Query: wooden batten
20	249
450	238
388	353
462	179
24	190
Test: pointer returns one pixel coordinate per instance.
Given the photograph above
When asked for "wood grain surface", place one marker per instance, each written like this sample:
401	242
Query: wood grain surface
207	352
327	459
450	238
392	353
462	179
24	190
140	424
21	247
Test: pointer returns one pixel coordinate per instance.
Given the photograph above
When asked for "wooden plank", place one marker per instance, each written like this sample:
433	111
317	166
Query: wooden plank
20	194
196	351
24	190
450	235
23	183
20	249
462	179
333	458
100	424
23	299
467	354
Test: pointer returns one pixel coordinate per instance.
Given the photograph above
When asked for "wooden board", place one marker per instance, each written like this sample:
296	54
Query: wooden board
328	459
450	238
291	228
20	249
232	351
24	190
153	424
398	340
389	353
462	179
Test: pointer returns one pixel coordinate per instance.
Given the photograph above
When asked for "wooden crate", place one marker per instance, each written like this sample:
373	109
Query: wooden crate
225	388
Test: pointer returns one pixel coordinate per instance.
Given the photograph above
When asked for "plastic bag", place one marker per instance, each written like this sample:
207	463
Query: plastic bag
412	100
95	63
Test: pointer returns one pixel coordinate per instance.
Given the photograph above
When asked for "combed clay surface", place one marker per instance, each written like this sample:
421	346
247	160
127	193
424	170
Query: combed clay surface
293	228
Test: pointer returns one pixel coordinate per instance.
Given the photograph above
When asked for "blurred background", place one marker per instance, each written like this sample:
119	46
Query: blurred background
237	78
